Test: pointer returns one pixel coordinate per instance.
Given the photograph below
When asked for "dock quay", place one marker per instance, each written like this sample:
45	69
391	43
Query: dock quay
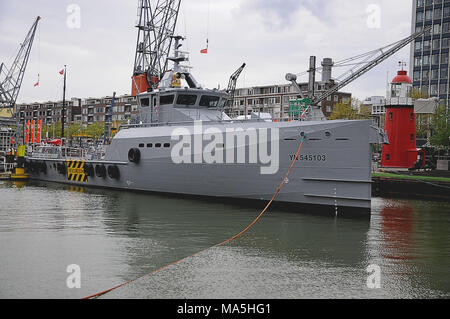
422	185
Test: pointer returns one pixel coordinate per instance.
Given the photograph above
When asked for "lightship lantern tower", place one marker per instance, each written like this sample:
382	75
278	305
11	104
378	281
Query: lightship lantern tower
400	124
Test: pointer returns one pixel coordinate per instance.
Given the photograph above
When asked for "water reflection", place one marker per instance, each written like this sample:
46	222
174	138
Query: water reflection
397	229
117	236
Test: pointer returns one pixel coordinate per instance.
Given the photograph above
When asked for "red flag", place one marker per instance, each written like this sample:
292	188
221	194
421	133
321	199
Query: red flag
32	132
205	51
27	133
38	132
37	84
61	72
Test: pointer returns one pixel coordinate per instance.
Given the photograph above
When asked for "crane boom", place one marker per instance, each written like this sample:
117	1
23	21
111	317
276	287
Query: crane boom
361	70
232	83
156	27
11	79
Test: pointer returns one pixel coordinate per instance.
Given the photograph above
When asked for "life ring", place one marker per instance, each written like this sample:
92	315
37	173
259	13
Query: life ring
134	155
100	171
113	172
89	170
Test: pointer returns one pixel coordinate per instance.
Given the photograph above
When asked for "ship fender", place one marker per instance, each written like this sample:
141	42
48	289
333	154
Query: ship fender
33	167
113	172
100	171
43	167
89	170
134	155
61	168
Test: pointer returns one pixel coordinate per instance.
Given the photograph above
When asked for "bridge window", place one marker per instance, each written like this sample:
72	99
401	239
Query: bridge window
186	99
167	99
209	101
145	102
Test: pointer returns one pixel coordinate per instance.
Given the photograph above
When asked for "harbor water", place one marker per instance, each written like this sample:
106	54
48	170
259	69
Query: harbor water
116	236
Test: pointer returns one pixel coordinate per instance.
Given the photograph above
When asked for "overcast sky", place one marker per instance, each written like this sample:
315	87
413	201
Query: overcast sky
273	37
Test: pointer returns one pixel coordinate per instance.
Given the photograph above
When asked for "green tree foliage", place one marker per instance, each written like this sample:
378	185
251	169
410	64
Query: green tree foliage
441	127
349	111
95	130
419	94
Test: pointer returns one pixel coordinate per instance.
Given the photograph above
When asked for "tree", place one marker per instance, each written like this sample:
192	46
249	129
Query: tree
441	127
349	111
419	94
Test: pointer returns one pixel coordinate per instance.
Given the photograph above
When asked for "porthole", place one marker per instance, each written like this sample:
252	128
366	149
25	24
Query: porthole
327	134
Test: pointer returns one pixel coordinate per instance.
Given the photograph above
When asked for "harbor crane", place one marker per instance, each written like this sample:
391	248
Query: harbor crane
232	85
372	59
156	27
11	79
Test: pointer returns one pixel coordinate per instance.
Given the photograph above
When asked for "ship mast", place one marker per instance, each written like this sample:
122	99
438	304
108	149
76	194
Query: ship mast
156	27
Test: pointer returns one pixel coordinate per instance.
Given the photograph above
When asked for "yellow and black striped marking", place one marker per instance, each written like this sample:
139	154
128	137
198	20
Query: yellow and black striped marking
75	171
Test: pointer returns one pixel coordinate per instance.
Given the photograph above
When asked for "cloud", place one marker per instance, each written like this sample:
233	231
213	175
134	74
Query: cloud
272	37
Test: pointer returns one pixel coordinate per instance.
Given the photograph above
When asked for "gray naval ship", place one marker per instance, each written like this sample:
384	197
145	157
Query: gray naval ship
185	145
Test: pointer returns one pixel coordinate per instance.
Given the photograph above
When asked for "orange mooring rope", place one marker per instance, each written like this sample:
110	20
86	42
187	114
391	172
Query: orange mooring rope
222	243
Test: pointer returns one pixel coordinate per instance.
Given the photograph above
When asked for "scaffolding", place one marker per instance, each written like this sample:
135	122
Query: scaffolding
7	136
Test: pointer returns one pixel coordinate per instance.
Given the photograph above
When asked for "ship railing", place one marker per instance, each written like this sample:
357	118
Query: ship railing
186	123
59	153
5	166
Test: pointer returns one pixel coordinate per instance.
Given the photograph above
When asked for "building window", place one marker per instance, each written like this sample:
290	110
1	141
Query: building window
391	115
418	61
419	16
437	29
437	13
388	157
436	44
435	59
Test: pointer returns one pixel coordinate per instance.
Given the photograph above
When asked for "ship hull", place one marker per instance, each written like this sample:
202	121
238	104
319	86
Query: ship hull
333	171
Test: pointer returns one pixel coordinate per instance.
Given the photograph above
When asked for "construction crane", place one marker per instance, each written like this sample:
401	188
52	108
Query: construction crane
11	79
232	85
156	27
374	58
